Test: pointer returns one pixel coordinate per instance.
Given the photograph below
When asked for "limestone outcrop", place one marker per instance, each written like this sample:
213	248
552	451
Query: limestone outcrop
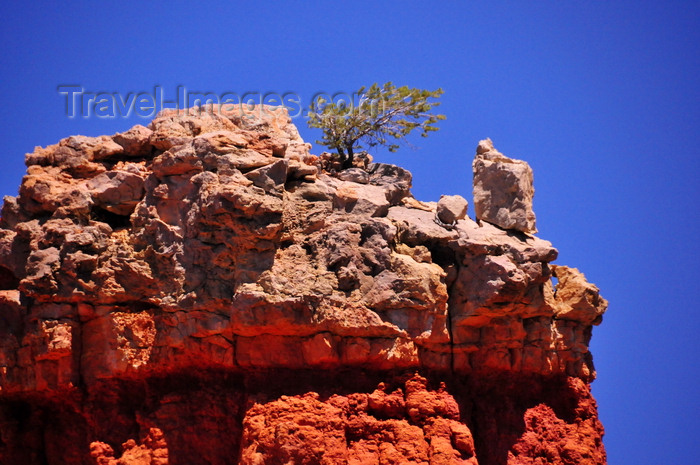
201	290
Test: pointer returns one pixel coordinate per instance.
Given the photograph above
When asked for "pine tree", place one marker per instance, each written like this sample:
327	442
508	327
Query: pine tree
384	116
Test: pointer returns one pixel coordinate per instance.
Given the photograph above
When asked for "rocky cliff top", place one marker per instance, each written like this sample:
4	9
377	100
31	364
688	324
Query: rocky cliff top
223	237
211	239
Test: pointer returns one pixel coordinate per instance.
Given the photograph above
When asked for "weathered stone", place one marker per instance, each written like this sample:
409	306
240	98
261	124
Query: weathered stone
360	199
205	280
221	142
117	191
270	178
418	226
451	208
301	170
395	180
178	160
135	142
359	429
357	175
576	298
503	190
153	451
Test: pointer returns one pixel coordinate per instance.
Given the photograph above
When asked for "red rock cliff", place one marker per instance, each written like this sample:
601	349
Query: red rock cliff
205	291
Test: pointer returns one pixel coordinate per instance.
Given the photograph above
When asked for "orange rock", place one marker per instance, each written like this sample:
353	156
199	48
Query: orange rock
153	451
208	285
383	429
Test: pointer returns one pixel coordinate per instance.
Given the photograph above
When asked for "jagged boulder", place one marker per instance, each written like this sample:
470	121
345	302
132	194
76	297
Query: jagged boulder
503	190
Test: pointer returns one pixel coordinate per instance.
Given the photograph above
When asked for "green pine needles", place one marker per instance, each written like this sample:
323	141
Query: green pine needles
384	116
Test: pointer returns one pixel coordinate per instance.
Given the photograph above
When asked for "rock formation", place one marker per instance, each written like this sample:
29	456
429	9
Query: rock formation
202	291
503	189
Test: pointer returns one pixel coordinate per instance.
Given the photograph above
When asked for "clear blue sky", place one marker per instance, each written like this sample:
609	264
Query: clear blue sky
602	101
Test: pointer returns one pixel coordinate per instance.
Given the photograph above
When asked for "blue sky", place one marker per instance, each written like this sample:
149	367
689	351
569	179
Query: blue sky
601	100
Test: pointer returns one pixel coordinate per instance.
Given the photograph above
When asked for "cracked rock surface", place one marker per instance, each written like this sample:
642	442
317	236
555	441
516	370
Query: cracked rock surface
201	291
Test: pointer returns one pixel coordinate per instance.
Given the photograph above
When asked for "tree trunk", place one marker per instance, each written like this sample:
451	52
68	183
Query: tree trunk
347	163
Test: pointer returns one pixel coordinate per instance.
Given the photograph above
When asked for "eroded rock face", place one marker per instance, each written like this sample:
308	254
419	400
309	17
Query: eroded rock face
503	189
211	249
408	424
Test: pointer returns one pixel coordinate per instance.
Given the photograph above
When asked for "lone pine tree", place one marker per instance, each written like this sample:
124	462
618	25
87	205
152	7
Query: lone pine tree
384	116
